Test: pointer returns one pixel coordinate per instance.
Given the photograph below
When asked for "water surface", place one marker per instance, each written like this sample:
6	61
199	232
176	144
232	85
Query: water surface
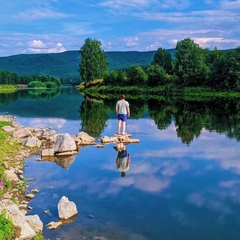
183	181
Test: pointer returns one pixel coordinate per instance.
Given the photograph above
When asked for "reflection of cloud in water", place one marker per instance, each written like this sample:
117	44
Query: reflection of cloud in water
228	184
141	175
208	147
152	184
144	183
54	123
58	124
211	203
172	169
183	218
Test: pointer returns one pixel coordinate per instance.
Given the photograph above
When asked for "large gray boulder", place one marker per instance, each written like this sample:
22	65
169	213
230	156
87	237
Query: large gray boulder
8	129
66	208
35	222
64	143
31	142
46	133
83	138
22	133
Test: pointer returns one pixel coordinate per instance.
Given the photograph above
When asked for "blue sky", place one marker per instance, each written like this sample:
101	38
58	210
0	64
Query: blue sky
51	26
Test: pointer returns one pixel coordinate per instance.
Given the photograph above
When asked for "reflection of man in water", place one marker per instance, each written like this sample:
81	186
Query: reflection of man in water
122	160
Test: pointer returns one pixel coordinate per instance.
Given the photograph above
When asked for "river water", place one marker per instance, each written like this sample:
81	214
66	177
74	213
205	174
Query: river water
183	182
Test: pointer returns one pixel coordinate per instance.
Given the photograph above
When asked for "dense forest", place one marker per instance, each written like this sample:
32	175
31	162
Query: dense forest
44	81
191	67
66	65
186	66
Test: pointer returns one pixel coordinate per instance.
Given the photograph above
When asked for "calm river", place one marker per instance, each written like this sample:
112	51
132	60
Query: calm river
184	177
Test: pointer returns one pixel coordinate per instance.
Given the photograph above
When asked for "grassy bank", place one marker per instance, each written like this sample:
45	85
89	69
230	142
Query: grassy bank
5	88
100	91
12	154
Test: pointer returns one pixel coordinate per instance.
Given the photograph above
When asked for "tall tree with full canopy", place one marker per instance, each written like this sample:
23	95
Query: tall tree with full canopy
93	63
190	66
163	58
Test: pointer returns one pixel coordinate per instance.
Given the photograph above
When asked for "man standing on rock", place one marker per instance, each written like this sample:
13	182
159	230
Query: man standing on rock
123	112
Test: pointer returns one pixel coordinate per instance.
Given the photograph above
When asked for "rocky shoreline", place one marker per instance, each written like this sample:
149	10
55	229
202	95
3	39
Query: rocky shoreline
48	144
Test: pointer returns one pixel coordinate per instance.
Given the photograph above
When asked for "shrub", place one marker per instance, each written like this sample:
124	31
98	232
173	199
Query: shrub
36	84
51	84
6	227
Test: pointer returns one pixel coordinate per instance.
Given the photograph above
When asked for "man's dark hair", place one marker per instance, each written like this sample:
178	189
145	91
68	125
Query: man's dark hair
123	96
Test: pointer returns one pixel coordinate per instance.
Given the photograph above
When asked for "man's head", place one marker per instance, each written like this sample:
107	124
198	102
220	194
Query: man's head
123	174
123	96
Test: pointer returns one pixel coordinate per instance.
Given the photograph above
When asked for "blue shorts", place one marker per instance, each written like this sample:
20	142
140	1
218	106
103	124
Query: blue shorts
122	117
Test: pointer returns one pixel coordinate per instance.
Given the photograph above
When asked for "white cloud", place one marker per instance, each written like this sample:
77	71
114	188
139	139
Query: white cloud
130	41
232	5
205	42
41	13
37	46
119	4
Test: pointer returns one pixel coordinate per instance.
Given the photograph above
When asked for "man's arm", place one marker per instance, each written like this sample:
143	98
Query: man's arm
128	111
117	109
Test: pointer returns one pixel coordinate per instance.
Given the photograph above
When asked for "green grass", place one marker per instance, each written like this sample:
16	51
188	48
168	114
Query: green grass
7	88
6	227
39	236
9	148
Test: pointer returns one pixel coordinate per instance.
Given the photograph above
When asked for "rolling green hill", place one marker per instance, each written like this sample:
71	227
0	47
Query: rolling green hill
65	65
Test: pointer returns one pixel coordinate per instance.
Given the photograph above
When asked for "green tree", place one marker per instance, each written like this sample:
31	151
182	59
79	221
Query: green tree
116	77
156	76
190	66
163	58
93	63
225	70
215	62
136	76
231	70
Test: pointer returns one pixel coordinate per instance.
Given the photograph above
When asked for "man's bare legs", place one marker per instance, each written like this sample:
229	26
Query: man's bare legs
122	125
119	126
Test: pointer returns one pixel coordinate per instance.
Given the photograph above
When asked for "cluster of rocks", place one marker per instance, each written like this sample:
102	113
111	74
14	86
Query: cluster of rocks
60	148
31	224
48	141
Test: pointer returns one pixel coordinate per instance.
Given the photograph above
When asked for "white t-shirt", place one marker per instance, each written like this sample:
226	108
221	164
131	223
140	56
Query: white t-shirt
122	106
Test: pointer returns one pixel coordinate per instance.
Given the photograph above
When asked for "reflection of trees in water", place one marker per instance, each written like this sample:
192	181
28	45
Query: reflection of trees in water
137	107
225	117
161	112
45	93
189	120
190	117
6	98
94	116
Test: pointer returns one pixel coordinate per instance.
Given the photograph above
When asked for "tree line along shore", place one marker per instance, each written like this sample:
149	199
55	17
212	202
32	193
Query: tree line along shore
189	68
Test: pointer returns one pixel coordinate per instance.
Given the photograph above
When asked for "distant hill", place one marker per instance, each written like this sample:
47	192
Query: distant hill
65	65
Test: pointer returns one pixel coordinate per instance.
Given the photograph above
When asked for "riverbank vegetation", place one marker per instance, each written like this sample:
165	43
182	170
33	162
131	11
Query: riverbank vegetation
7	88
6	227
191	71
11	154
43	81
6	154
